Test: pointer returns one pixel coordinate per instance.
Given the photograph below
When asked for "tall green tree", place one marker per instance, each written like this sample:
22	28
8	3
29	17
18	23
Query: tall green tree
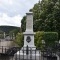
46	16
23	24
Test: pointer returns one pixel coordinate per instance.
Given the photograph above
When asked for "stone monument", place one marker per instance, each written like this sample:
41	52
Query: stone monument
28	41
29	34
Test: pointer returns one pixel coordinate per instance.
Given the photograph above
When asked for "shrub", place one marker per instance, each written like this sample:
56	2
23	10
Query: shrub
38	39
19	39
1	36
48	37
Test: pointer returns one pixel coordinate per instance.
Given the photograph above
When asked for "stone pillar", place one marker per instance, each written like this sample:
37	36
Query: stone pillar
29	34
29	22
13	36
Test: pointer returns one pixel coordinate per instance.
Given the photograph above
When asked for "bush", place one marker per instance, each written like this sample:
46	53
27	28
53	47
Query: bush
1	36
48	37
19	39
38	39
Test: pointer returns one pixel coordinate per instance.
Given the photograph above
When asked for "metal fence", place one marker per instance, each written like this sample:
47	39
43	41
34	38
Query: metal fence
26	53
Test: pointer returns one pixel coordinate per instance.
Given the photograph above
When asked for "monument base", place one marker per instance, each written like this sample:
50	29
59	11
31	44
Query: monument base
31	54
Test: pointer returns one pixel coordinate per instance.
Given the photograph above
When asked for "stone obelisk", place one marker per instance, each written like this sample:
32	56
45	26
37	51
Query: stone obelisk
29	34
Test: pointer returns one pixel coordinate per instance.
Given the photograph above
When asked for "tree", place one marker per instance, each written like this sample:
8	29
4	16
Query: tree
19	39
23	24
46	16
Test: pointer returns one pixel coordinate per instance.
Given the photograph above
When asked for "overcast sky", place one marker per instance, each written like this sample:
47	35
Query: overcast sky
12	11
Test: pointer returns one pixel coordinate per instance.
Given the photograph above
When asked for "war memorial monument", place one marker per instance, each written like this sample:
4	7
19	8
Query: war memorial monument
29	41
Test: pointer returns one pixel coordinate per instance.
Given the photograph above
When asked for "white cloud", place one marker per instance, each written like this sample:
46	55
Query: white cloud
14	7
11	11
11	21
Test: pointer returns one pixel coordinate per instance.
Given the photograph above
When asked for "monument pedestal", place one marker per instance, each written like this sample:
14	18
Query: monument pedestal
29	39
33	55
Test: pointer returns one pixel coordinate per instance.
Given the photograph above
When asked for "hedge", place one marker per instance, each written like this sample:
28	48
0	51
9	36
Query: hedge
48	37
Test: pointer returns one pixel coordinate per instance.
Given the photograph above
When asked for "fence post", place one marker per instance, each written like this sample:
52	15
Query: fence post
30	53
27	50
2	49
